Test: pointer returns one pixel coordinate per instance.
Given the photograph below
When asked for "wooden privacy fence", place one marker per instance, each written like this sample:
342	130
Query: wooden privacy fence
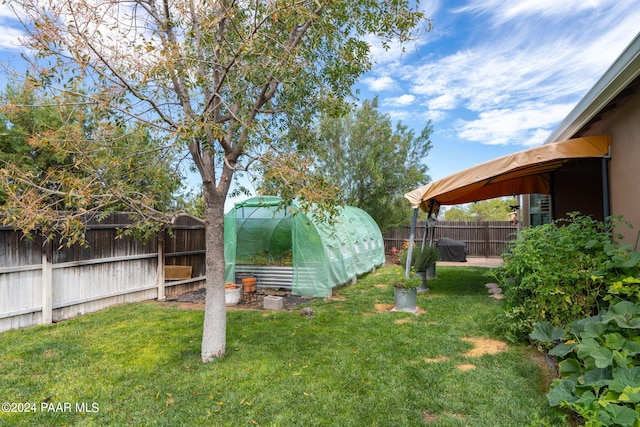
44	283
483	238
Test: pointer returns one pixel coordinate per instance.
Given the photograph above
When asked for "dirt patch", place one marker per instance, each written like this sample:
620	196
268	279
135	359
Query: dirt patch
436	359
466	366
380	285
482	346
185	305
381	308
432	418
336	298
195	300
404	320
429	418
548	373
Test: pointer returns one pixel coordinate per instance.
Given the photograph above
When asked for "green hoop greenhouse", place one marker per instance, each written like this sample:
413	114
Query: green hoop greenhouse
306	254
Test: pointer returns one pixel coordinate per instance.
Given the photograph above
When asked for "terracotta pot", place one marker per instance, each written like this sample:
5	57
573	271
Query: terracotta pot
249	288
229	285
249	281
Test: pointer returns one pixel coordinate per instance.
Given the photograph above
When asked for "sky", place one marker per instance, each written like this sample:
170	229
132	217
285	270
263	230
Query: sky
492	76
496	77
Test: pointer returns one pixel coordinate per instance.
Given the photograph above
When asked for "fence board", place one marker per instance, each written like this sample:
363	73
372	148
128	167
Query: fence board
113	268
483	238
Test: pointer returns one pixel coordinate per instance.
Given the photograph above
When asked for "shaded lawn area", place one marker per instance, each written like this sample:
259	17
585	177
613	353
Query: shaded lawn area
354	364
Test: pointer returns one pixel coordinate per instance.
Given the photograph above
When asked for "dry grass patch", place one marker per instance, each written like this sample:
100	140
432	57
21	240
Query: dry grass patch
432	418
548	373
466	366
404	320
436	359
336	298
381	308
482	346
429	418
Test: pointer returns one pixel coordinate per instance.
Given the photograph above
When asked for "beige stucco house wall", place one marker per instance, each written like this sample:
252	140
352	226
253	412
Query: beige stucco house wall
611	107
623	124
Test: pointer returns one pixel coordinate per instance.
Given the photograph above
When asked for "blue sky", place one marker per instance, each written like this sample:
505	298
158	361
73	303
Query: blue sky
493	76
497	76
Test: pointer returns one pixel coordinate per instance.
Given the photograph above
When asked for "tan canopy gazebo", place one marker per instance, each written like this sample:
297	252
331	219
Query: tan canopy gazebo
524	172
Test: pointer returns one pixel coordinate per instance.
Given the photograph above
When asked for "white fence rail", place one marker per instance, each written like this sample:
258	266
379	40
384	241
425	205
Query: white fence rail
70	281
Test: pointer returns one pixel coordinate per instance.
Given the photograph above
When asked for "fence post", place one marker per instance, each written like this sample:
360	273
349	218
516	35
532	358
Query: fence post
47	283
160	271
487	238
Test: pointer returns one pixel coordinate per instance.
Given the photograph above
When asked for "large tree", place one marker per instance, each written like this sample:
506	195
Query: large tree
485	210
43	142
372	161
217	77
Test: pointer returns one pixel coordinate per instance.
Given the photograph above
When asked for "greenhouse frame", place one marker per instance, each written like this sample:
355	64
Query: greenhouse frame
318	254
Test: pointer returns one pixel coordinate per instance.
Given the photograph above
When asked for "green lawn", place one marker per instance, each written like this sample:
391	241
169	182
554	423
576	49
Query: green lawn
354	364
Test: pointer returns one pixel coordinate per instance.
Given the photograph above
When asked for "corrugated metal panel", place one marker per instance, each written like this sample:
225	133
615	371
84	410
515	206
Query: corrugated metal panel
268	276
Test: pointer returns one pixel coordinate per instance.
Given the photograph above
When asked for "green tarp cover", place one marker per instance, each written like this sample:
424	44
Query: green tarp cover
324	255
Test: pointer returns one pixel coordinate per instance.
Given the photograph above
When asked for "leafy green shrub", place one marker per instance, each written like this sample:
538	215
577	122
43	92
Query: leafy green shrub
556	273
600	363
421	258
282	258
402	282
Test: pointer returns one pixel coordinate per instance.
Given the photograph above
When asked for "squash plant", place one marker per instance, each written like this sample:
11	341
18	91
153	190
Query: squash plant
599	357
558	272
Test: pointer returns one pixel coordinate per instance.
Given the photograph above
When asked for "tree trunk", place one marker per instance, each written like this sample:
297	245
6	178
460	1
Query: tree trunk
215	313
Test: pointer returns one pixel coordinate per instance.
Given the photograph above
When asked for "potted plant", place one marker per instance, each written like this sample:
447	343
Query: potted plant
406	293
422	260
232	294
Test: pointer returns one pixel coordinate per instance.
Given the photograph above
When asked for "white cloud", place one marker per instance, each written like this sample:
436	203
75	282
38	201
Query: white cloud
403	100
522	125
501	11
395	52
398	115
10	38
9	35
434	115
379	84
446	101
515	83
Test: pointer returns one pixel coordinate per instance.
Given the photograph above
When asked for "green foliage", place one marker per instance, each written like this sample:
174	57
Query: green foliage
140	362
599	363
484	210
369	161
284	258
49	181
421	258
402	282
556	273
196	75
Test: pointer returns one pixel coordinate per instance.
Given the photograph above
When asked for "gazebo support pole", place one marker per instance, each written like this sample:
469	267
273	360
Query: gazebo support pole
427	229
606	201
412	233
